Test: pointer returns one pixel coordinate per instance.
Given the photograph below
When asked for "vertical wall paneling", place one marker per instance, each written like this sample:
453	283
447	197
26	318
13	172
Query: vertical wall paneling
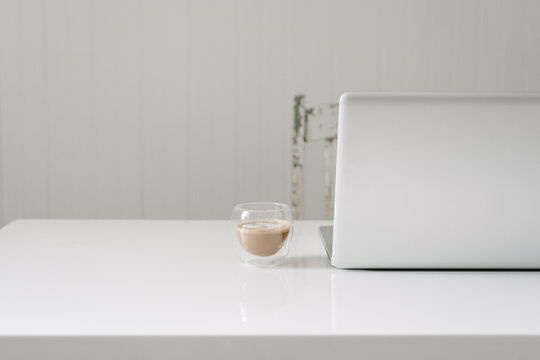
441	56
532	46
392	30
13	150
164	47
512	54
220	123
59	110
2	49
369	46
348	18
466	44
155	125
82	117
211	106
176	94
250	114
274	118
491	29
417	43
118	108
33	111
107	88
182	108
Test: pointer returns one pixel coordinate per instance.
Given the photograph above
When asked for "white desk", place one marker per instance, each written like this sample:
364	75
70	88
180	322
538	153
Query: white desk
174	289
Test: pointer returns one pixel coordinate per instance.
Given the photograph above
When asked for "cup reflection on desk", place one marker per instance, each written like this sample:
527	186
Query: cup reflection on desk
262	232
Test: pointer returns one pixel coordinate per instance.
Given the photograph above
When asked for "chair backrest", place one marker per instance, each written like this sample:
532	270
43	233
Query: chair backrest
313	124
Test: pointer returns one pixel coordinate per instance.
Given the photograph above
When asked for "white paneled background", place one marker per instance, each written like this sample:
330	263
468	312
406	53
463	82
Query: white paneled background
179	109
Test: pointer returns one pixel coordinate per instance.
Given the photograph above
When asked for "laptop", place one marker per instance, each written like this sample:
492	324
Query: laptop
437	181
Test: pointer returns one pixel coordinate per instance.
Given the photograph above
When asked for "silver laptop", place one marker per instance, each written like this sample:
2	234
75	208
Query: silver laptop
437	181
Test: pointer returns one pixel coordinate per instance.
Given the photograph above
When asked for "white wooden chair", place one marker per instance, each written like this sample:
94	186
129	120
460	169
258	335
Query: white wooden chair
313	124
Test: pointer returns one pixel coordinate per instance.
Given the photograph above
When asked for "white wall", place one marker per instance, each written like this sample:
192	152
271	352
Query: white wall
179	109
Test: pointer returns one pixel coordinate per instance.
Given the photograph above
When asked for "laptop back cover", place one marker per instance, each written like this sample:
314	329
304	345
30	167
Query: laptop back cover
438	181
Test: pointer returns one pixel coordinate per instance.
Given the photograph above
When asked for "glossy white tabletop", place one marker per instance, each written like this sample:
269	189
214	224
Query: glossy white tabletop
71	277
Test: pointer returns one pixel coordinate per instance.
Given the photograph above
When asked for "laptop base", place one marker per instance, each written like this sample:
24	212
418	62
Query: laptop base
327	238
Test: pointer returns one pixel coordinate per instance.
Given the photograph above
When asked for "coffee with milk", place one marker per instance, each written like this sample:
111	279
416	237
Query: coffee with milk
262	237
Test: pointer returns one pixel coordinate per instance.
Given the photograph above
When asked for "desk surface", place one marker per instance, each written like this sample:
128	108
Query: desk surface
182	278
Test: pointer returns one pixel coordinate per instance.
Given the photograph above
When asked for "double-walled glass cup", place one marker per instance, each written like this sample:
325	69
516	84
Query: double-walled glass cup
262	232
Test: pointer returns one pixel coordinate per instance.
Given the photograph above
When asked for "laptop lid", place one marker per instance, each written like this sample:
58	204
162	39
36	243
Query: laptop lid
437	181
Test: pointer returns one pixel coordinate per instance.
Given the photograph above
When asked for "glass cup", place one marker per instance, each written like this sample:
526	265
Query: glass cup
262	232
